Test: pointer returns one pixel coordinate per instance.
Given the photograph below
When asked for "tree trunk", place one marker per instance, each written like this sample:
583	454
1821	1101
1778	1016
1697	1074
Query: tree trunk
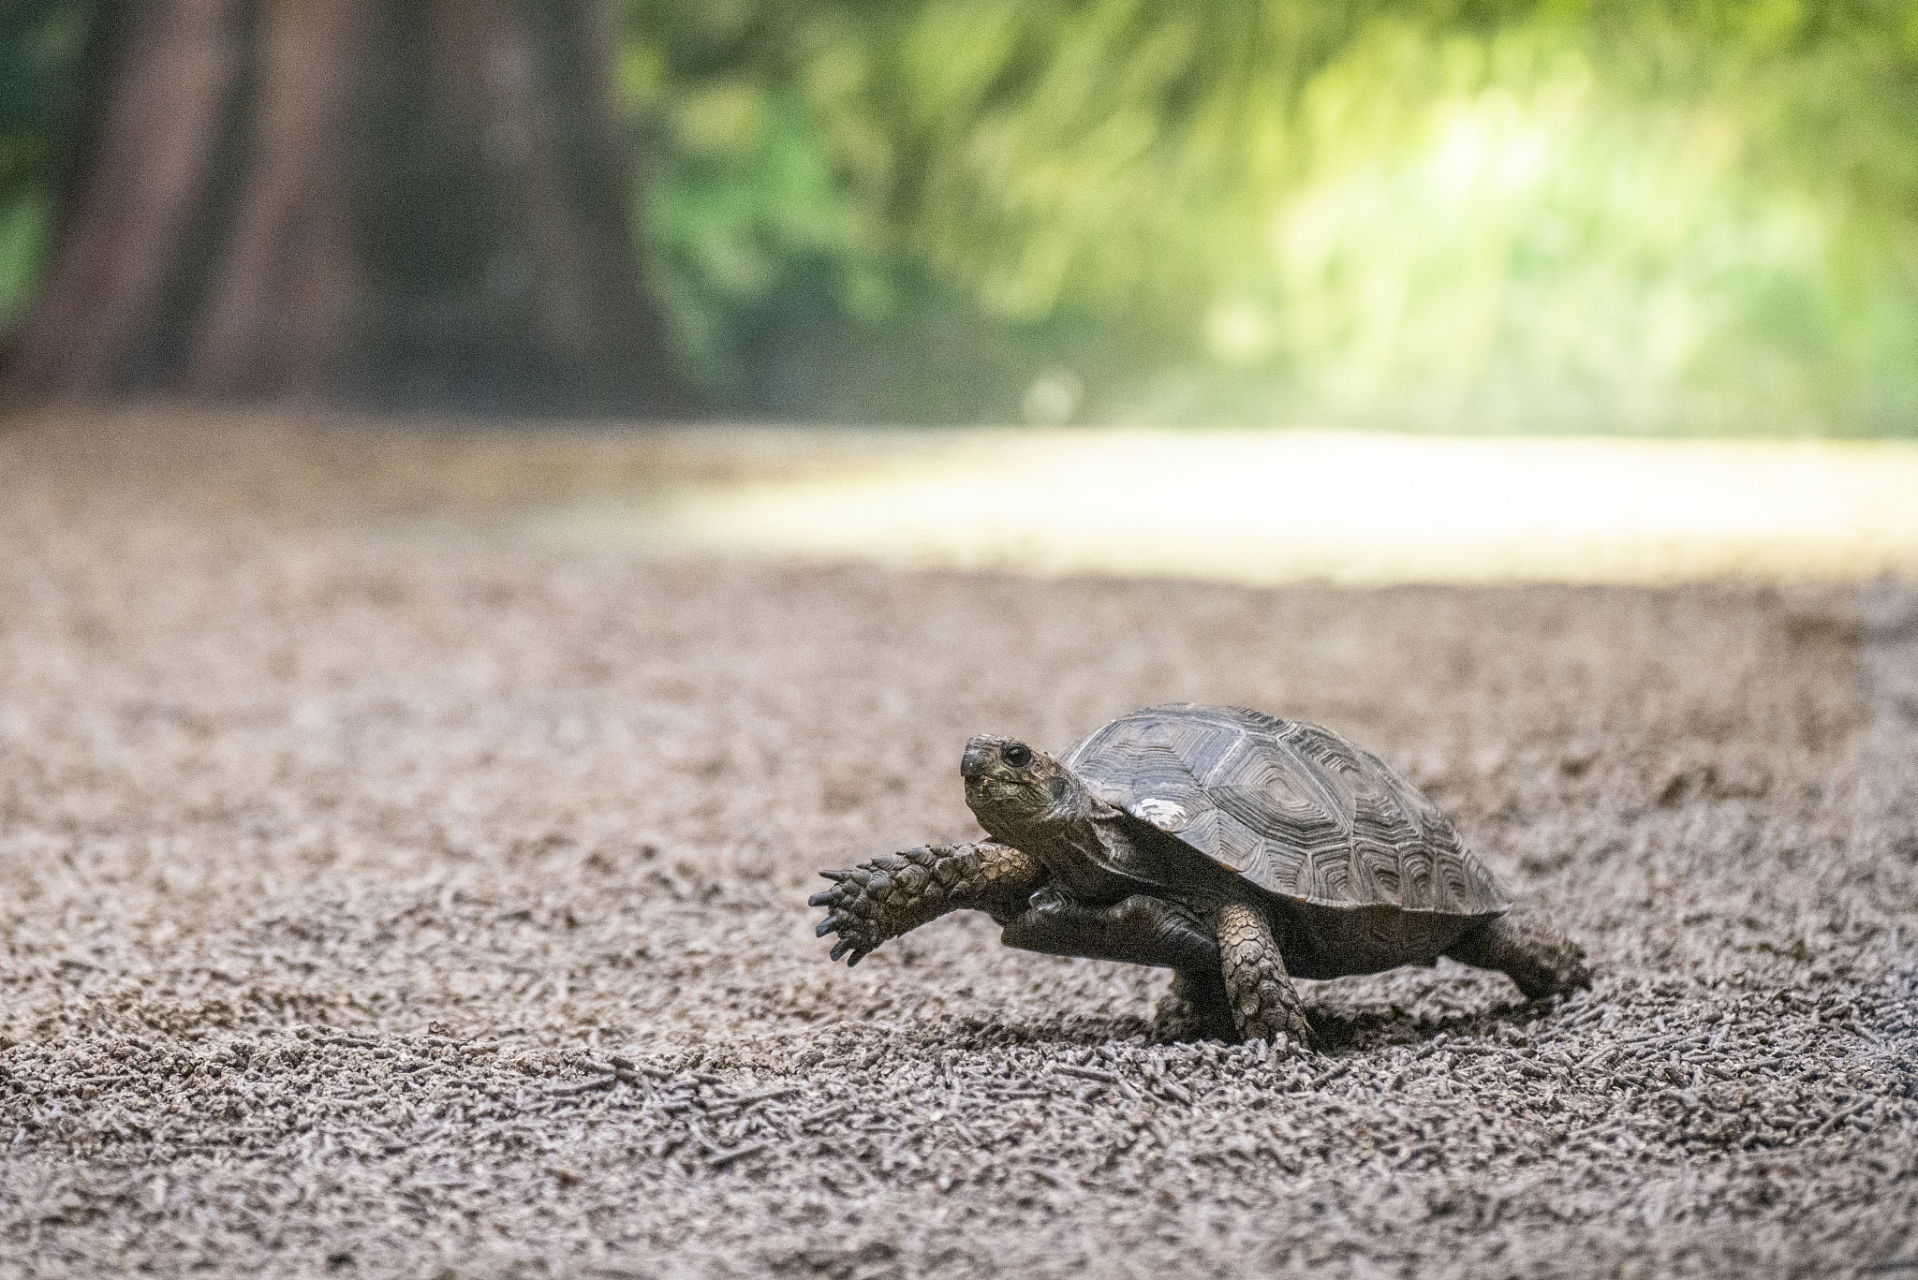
271	319
400	203
160	77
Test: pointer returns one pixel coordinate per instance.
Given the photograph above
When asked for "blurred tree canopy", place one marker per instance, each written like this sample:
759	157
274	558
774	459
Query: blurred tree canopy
1695	217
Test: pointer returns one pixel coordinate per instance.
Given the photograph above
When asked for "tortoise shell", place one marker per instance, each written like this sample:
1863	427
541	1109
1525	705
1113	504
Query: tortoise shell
1293	808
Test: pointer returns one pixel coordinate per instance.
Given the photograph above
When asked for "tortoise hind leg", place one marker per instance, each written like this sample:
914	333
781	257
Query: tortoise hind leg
1535	955
1265	1005
1195	1008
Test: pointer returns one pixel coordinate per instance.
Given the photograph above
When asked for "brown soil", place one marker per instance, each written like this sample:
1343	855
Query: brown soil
384	895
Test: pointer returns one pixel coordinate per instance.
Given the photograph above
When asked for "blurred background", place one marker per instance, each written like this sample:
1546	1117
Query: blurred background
1495	216
1683	238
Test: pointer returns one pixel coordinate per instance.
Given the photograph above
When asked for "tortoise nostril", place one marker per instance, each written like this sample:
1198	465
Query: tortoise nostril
973	764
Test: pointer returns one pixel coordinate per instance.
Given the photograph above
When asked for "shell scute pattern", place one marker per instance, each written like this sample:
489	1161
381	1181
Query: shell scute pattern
1292	807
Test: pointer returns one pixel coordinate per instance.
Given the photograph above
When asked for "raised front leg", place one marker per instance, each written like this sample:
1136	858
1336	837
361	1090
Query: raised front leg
887	896
1265	1004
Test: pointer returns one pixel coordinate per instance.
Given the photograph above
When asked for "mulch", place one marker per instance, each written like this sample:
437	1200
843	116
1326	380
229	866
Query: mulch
383	893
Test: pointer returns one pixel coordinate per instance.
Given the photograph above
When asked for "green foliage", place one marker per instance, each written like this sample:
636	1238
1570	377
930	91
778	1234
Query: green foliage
1571	215
23	239
41	42
746	211
1504	242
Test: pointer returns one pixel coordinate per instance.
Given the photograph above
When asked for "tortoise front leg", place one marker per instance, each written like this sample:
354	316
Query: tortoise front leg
1265	1004
1224	982
1138	930
887	896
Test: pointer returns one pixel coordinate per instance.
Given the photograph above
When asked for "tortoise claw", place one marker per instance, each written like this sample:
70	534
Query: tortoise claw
849	913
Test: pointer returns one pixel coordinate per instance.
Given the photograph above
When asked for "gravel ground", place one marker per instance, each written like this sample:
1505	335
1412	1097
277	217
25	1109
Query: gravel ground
386	895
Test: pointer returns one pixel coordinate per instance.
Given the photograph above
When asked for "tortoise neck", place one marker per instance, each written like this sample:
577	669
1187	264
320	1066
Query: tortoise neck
1068	835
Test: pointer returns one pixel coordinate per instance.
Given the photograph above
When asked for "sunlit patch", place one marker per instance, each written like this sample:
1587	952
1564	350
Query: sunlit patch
1240	332
1284	506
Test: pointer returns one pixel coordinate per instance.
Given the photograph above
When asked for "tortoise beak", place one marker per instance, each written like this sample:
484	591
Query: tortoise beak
972	765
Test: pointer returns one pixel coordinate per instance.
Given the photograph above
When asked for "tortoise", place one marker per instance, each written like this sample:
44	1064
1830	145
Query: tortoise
1234	848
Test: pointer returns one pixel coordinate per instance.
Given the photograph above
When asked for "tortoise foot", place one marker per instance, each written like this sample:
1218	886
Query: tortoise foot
853	912
887	896
1195	1008
1264	1003
1528	949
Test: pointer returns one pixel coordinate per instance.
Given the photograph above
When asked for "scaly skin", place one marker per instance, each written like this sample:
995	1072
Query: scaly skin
1265	1004
1067	872
1139	929
889	895
1194	1008
1529	949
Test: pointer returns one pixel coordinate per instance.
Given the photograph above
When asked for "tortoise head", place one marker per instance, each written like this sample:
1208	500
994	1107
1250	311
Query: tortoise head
1013	788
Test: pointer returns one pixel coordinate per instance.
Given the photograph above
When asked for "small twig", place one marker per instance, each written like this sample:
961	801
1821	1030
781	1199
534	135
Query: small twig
587	1086
753	1099
823	1114
1837	1118
1325	1078
724	1158
1087	1073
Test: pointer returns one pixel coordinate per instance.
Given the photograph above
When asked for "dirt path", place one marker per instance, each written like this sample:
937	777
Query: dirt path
385	896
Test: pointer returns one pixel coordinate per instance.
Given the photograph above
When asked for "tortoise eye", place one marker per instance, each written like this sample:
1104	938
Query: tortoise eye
1017	754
